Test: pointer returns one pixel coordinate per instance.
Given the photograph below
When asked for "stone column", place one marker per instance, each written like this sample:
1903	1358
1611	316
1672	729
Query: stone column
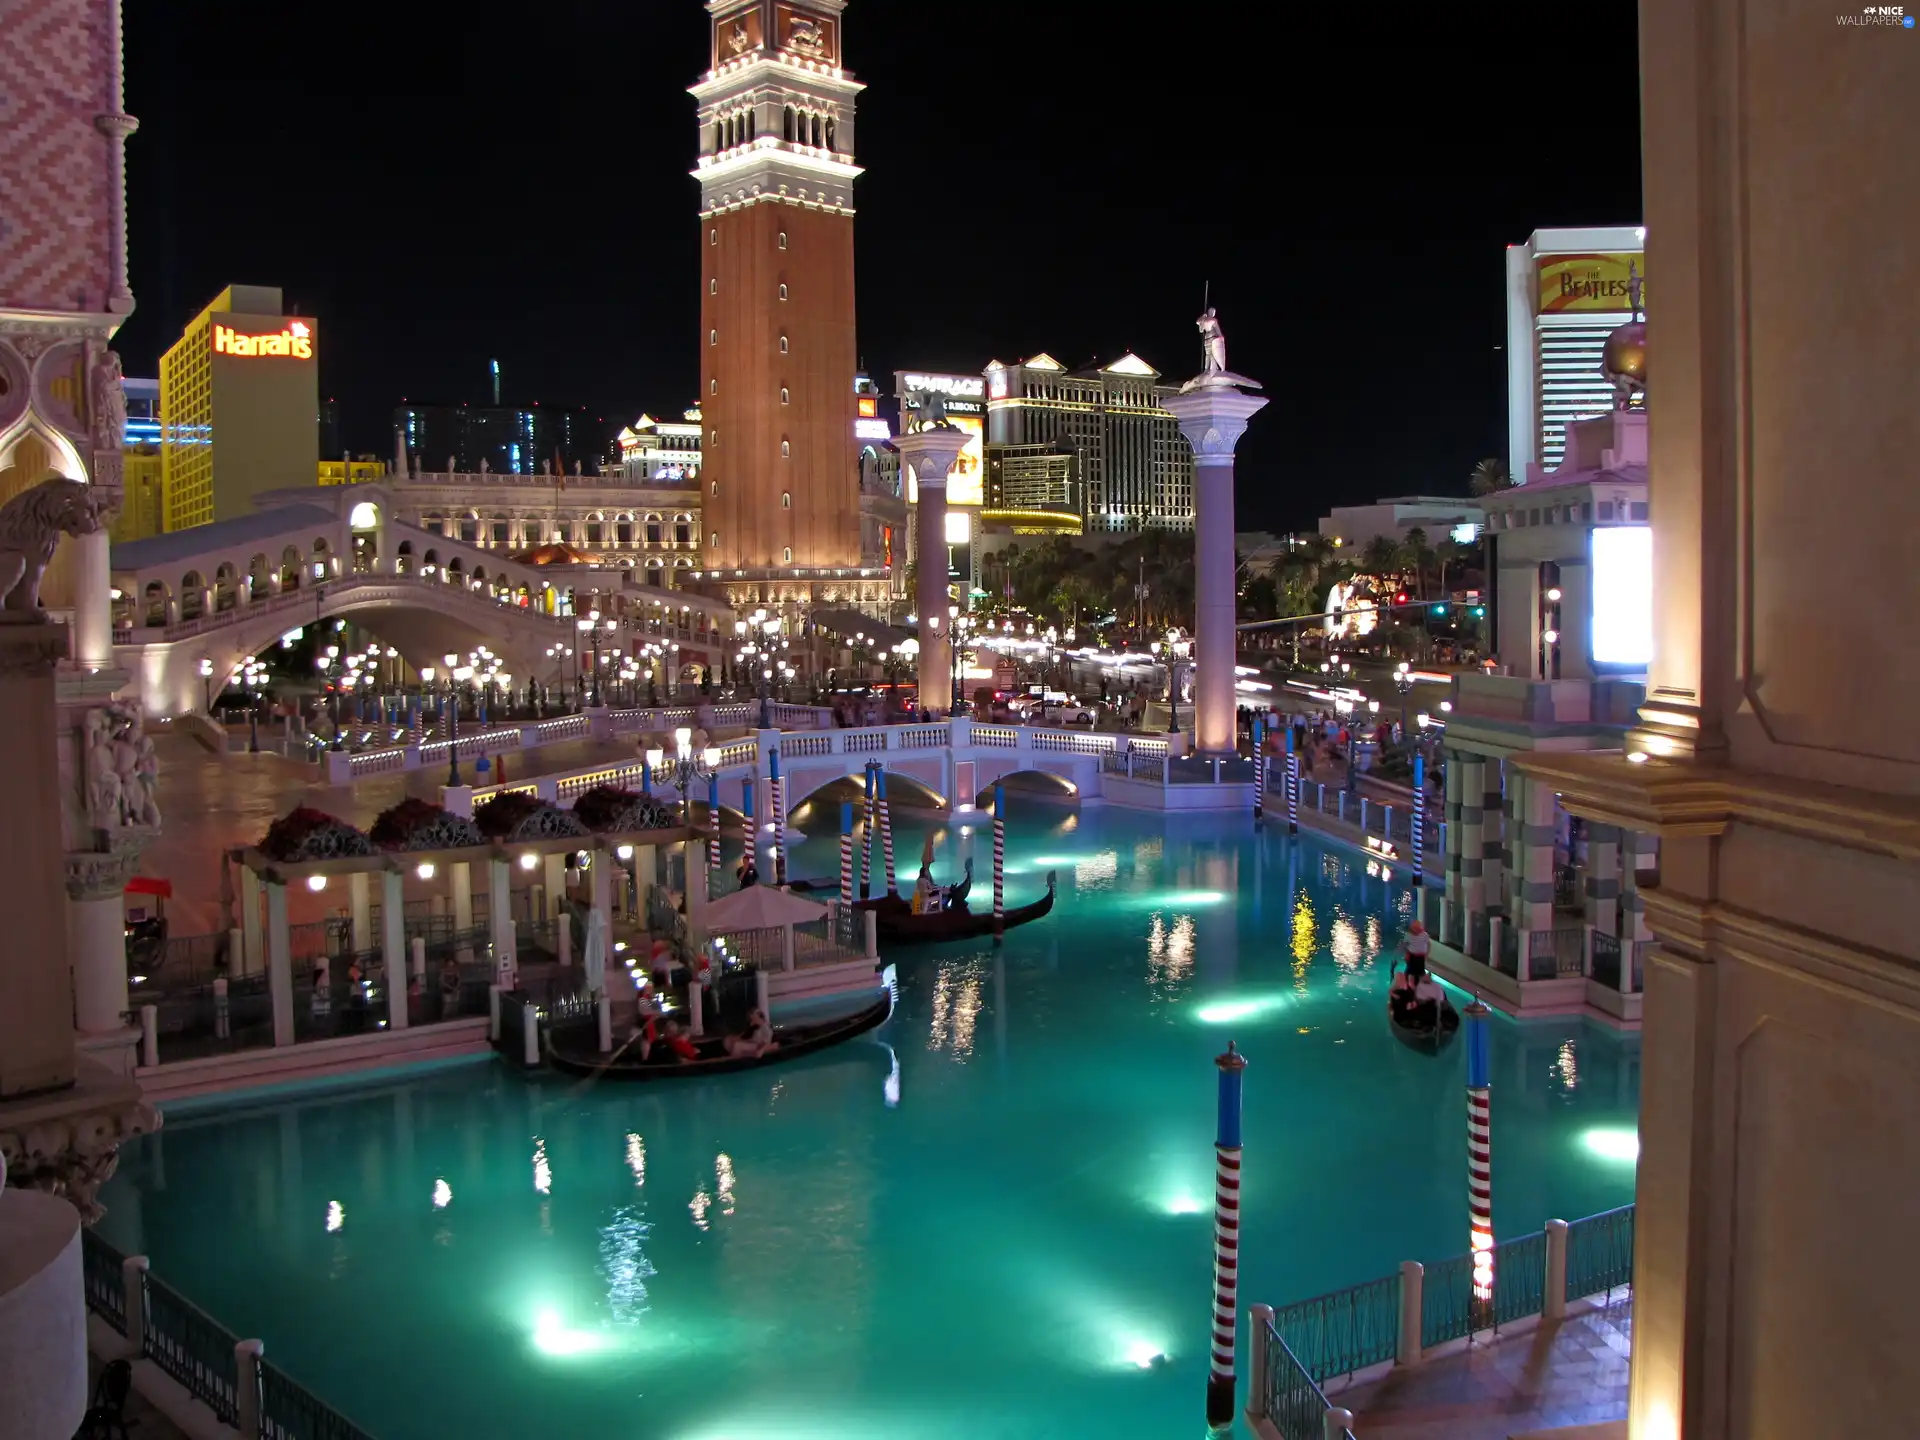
360	910
1452	890
499	904
393	945
600	887
1472	842
646	870
1603	877
931	454
92	575
279	963
249	902
1493	817
36	1020
460	874
1213	412
1533	890
97	938
554	868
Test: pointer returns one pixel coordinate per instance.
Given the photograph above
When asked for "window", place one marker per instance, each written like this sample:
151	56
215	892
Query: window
783	292
786	500
563	532
783	239
595	532
787	554
713	386
499	530
653	532
713	337
1637	510
623	532
470	529
713	287
715	490
682	533
1606	509
713	540
783	395
713	237
786	450
783	344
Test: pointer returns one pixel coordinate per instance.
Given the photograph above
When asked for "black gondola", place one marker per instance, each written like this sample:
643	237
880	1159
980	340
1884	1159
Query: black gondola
1421	1028
574	1051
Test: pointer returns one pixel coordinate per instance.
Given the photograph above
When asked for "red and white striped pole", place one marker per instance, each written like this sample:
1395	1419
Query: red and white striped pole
999	861
886	835
1226	1240
777	802
1480	1162
846	854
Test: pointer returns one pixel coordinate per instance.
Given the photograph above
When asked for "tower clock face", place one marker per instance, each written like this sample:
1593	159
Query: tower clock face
807	34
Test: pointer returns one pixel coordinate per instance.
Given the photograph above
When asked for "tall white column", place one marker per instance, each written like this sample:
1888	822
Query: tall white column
279	964
1473	885
92	601
554	868
1213	412
255	960
499	902
360	909
600	887
931	454
461	875
97	941
393	945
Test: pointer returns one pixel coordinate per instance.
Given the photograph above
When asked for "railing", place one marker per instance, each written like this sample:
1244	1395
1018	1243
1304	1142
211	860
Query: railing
916	737
1508	961
996	737
102	1274
1303	1346
1556	954
289	1411
189	1345
1606	959
1600	1253
1345	1331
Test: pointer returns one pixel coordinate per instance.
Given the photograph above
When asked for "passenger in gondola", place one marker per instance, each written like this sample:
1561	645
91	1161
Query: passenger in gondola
669	1047
747	873
756	1040
926	895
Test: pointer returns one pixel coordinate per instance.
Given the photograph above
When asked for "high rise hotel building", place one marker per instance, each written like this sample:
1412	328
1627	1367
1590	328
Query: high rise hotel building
781	491
1567	290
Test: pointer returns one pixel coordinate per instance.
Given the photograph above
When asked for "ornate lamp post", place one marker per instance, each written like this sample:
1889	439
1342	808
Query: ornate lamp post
1177	648
683	768
206	683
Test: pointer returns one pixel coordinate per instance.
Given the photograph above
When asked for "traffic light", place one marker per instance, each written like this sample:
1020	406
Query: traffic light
1401	598
1479	612
1439	610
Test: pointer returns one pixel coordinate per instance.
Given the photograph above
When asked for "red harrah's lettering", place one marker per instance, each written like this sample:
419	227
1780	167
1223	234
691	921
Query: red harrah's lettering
295	342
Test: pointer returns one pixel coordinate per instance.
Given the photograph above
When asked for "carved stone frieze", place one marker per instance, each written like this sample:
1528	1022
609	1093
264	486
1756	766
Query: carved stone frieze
73	1155
103	874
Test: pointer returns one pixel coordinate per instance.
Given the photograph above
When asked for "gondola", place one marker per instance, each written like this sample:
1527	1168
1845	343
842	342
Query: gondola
896	924
573	1051
1427	1039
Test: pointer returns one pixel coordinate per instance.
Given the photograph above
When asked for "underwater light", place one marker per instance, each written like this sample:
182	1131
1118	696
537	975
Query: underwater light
550	1337
1613	1144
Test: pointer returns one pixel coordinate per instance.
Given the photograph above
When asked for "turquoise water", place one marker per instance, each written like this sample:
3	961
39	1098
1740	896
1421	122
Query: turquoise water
977	1224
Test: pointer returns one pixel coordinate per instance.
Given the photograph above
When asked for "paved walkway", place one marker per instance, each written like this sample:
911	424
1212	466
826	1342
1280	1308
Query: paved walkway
1573	1373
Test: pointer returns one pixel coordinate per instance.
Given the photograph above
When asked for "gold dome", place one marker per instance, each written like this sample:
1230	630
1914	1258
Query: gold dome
557	553
1623	362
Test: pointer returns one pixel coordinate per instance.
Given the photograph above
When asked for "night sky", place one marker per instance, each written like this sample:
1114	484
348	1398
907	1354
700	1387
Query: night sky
442	183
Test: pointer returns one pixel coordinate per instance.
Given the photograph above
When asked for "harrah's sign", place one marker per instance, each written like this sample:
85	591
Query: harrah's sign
295	342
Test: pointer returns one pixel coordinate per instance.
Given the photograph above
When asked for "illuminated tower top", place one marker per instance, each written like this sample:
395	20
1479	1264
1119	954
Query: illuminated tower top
776	108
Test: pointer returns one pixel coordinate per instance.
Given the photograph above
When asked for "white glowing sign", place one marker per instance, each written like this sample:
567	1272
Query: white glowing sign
959	527
963	385
872	430
1622	595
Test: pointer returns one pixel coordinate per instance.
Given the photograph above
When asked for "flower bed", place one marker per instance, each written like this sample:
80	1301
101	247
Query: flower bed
307	834
416	824
611	810
520	816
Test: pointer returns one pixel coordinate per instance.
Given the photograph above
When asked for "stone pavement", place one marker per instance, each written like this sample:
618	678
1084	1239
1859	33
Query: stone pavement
1565	1374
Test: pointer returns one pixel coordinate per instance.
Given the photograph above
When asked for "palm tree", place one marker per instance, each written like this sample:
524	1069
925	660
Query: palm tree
1383	557
1488	476
1420	557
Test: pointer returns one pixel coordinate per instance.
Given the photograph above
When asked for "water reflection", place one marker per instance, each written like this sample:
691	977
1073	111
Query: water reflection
956	1008
624	1264
336	1217
1169	949
637	1158
542	1168
723	1181
442	1193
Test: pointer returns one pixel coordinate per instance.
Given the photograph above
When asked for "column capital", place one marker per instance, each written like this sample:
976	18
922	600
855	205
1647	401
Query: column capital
103	874
931	452
32	649
1213	418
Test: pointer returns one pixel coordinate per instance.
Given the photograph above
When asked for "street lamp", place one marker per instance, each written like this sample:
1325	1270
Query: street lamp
206	683
1178	647
1403	682
684	767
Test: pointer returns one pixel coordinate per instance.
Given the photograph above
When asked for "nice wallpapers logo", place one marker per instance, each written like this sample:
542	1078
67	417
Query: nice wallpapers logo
1895	15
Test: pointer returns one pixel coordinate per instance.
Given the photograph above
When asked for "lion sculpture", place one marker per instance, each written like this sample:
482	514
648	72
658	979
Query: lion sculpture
31	525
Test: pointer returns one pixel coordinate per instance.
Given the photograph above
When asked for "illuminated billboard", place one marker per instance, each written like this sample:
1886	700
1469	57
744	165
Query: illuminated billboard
965	397
1574	283
294	341
1623	595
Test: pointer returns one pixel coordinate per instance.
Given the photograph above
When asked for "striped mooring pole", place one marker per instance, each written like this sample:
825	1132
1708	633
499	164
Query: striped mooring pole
753	831
777	803
1293	785
846	853
1480	1162
1226	1240
713	822
1259	769
886	834
646	777
1419	833
999	860
866	840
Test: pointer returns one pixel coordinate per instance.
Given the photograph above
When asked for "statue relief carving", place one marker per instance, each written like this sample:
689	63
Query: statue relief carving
122	774
806	36
31	525
739	40
109	402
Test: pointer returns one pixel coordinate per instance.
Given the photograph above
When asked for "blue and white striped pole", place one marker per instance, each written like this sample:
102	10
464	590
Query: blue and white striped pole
1419	833
846	854
999	860
866	840
753	830
1226	1240
646	777
777	803
1293	785
1480	1160
1259	769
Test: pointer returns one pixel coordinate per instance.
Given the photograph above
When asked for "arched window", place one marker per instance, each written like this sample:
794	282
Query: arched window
786	555
653	530
500	530
713	386
783	344
783	292
623	530
786	450
831	137
783	395
715	491
713	541
783	239
713	337
786	500
713	237
713	287
786	124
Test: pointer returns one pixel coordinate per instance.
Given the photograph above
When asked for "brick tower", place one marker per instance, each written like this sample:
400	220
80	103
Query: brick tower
777	348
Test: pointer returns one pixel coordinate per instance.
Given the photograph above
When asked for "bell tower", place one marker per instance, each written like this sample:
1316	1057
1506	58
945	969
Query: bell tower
777	345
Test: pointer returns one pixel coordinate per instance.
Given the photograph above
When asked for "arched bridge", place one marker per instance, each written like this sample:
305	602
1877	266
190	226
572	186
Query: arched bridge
218	593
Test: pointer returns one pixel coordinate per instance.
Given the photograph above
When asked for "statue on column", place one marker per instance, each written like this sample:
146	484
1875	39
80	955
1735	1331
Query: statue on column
927	412
1213	343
